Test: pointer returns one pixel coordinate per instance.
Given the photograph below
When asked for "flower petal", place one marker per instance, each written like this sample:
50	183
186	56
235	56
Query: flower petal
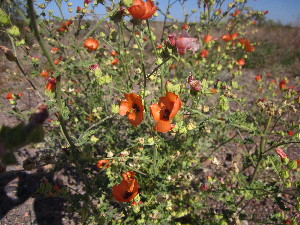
135	118
163	126
165	102
150	10
137	11
176	107
155	111
125	107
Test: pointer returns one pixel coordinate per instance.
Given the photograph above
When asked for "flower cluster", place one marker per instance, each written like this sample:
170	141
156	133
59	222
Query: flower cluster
162	112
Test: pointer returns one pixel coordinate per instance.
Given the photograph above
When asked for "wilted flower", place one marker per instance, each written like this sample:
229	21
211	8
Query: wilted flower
194	84
94	66
280	153
8	54
184	42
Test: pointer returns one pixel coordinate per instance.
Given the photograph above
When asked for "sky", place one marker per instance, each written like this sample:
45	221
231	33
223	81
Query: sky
285	11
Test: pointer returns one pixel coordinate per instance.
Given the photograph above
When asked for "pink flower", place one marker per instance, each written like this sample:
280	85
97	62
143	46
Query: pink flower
184	42
280	153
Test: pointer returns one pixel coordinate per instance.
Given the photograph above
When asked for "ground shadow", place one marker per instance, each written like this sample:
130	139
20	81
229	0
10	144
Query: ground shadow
17	187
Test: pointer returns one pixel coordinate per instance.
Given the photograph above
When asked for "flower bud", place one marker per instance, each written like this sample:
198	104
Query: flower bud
4	18
292	165
285	161
127	3
223	103
13	31
287	184
298	206
284	174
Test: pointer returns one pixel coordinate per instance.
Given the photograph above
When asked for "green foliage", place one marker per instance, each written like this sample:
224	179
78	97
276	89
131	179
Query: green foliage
200	155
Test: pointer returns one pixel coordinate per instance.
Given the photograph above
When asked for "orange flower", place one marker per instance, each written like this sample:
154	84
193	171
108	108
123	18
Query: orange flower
44	73
172	67
204	53
115	61
229	37
126	190
61	29
241	62
133	108
54	50
213	90
185	27
247	45
207	38
128	176
104	163
51	84
236	12
9	96
91	44
282	84
66	24
142	10
258	77
113	53
56	61
164	111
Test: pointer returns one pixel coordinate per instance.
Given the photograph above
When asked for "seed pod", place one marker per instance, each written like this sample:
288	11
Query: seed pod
8	54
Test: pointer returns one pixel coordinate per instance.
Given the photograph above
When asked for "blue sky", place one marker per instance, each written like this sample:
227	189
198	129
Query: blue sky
286	11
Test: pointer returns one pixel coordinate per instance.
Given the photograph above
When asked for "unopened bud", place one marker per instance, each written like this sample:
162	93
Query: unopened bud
284	174
285	161
127	3
292	165
4	18
13	31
